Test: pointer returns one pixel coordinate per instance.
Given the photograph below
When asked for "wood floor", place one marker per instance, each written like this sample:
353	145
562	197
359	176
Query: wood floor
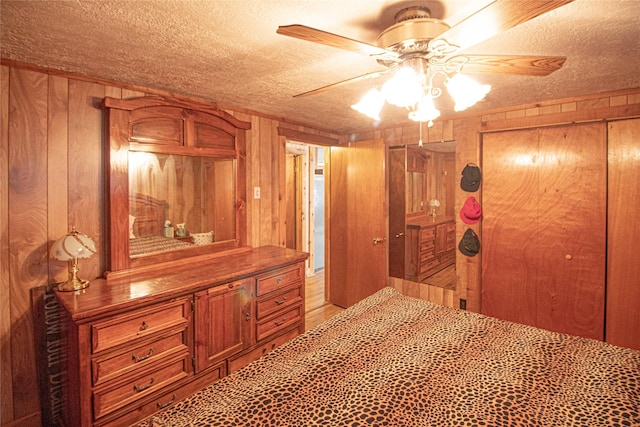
445	279
317	309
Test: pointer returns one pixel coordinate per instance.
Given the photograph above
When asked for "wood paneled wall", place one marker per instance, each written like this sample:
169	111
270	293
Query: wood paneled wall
51	178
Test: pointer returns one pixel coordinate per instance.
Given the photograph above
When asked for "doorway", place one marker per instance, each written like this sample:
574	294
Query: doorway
305	205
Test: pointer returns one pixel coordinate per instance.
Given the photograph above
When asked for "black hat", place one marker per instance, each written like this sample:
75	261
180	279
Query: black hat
471	177
469	244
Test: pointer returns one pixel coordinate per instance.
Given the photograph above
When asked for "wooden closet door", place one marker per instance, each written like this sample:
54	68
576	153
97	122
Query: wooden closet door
544	227
623	275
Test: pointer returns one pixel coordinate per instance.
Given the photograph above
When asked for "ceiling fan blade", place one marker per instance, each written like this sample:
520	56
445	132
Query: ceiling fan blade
495	18
342	83
329	39
511	64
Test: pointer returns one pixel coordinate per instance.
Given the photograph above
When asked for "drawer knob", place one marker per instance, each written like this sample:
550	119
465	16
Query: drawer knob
278	280
143	326
284	319
247	316
137	358
281	301
139	388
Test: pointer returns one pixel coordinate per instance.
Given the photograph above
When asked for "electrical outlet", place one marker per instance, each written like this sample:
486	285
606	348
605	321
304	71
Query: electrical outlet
256	192
463	304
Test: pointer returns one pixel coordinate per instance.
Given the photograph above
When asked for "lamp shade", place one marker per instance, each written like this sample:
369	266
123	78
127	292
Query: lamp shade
73	245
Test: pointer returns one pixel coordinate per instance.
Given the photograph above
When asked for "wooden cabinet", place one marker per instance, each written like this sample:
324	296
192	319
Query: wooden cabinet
430	247
139	343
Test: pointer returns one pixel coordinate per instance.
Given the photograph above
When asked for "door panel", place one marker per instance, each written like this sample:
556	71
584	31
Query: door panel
357	215
572	229
508	174
543	228
623	276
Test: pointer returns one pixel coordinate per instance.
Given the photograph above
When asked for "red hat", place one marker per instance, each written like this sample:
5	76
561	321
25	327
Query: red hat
471	211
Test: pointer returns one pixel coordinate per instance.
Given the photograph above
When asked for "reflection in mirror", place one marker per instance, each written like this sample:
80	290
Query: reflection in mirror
415	187
178	202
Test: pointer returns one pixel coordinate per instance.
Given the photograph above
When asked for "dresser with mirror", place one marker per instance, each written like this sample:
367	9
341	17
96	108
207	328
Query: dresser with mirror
184	300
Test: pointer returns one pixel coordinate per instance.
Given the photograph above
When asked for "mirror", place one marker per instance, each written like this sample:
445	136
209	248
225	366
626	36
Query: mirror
176	202
175	182
415	189
421	213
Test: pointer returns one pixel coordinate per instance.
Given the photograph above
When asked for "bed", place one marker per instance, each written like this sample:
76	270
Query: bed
146	223
393	360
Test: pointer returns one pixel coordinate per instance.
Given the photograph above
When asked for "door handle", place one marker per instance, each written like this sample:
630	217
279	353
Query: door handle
378	240
399	235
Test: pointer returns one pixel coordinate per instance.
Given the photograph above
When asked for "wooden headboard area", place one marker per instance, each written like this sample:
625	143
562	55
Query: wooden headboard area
149	214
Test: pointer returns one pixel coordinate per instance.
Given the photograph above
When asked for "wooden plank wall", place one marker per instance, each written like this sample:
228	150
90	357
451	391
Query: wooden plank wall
51	178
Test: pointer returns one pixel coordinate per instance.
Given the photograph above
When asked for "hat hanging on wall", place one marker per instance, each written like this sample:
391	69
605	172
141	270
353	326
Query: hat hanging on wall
471	178
471	211
469	244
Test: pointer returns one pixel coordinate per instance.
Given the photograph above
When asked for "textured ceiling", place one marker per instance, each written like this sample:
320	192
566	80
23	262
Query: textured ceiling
228	51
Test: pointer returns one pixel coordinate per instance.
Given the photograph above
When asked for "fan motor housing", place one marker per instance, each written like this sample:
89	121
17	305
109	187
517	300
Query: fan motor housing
412	31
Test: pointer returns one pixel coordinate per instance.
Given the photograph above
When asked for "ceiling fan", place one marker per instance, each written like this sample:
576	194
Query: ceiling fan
422	50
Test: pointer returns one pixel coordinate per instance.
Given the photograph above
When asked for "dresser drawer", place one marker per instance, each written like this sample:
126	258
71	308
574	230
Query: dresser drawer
448	259
123	363
279	279
123	329
279	301
258	352
109	399
278	322
429	245
427	255
427	233
162	400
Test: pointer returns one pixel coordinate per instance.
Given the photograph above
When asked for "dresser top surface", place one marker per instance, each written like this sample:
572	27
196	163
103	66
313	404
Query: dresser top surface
426	221
108	296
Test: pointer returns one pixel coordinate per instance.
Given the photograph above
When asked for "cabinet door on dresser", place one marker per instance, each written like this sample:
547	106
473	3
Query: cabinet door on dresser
224	322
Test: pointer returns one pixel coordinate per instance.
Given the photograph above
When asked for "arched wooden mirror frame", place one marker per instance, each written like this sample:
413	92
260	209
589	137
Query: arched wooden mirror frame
157	124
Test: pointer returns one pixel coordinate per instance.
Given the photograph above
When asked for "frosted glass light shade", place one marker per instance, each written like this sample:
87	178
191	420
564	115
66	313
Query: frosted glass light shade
426	111
371	104
465	91
404	88
73	245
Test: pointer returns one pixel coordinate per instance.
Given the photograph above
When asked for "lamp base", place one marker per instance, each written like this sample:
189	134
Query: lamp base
73	284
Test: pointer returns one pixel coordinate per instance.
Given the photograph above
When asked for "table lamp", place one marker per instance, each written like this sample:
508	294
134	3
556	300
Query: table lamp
71	247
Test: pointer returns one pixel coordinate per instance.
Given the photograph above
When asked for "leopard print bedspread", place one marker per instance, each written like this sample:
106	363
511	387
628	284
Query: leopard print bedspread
392	360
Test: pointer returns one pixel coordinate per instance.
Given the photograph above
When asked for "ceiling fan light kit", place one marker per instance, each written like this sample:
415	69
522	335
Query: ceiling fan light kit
413	87
425	55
